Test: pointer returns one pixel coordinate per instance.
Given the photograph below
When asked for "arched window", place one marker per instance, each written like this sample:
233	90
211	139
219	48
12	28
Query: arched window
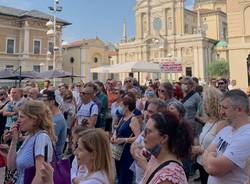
95	59
246	21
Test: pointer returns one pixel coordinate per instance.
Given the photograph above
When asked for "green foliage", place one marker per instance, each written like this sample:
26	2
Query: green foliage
218	68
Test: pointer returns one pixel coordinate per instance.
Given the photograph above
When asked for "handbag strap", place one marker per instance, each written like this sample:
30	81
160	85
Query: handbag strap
54	152
160	167
4	104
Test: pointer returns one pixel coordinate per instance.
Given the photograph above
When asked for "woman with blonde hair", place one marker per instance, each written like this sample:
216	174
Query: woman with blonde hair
94	153
214	123
35	119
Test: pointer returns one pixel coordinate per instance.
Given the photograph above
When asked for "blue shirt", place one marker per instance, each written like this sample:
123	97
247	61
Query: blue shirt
61	133
25	156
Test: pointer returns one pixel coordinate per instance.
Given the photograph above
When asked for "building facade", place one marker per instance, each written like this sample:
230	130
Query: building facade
87	54
24	42
167	29
238	12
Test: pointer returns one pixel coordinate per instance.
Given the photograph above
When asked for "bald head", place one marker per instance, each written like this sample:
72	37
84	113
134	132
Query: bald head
33	93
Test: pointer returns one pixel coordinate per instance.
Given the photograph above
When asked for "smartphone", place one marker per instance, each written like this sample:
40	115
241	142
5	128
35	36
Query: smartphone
46	153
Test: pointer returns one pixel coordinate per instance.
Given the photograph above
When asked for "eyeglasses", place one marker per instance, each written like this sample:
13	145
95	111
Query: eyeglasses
147	131
83	93
128	81
161	90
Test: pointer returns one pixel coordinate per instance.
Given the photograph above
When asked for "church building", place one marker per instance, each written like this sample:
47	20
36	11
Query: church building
167	29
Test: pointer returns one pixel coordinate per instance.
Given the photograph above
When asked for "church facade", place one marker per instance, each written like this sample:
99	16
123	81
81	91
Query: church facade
166	29
238	12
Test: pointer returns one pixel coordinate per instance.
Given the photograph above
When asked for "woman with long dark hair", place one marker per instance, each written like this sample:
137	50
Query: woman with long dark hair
168	141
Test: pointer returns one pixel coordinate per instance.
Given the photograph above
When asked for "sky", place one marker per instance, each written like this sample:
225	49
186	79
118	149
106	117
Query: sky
89	18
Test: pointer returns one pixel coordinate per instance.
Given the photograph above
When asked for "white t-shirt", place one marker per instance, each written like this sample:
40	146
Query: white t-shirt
98	177
234	145
138	171
73	170
85	111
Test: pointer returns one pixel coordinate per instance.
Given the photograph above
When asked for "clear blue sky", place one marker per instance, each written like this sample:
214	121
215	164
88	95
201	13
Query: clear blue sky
89	18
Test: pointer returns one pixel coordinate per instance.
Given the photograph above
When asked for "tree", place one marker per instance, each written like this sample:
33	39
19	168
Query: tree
218	68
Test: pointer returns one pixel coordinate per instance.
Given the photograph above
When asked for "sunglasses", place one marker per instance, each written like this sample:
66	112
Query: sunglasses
1	94
221	83
161	90
128	81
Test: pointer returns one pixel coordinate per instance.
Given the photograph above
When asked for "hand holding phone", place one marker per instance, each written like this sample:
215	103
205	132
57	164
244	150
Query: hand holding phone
46	153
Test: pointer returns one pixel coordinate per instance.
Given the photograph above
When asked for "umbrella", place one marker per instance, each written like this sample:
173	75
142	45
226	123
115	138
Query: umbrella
32	74
50	74
11	75
6	74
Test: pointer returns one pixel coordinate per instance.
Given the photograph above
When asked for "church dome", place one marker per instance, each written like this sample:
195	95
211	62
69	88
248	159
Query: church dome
222	44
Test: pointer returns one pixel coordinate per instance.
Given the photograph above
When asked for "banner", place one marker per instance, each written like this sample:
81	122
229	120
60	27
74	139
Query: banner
170	65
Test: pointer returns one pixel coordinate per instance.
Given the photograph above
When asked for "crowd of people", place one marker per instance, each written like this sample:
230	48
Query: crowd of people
124	133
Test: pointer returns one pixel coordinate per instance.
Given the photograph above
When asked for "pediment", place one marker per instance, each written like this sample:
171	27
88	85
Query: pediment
145	3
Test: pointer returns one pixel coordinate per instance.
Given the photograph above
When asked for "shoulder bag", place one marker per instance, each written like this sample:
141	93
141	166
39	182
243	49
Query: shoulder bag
61	169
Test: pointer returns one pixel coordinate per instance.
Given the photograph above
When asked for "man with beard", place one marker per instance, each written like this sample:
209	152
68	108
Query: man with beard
225	159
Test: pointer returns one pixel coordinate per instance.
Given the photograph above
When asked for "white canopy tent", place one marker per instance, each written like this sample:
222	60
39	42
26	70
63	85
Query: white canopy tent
129	67
139	66
101	69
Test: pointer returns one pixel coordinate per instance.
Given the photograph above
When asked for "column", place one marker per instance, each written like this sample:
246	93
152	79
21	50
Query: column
26	39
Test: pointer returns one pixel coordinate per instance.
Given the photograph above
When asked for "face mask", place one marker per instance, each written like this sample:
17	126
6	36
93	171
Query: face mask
120	110
150	93
184	87
155	150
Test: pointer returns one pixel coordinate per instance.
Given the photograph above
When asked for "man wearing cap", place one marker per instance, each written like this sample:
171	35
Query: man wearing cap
58	120
88	110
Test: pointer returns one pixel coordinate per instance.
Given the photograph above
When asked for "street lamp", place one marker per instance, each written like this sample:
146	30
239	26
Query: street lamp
72	71
19	69
52	30
248	69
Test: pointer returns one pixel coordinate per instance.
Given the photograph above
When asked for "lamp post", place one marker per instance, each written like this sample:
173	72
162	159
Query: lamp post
72	69
20	75
248	69
52	30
